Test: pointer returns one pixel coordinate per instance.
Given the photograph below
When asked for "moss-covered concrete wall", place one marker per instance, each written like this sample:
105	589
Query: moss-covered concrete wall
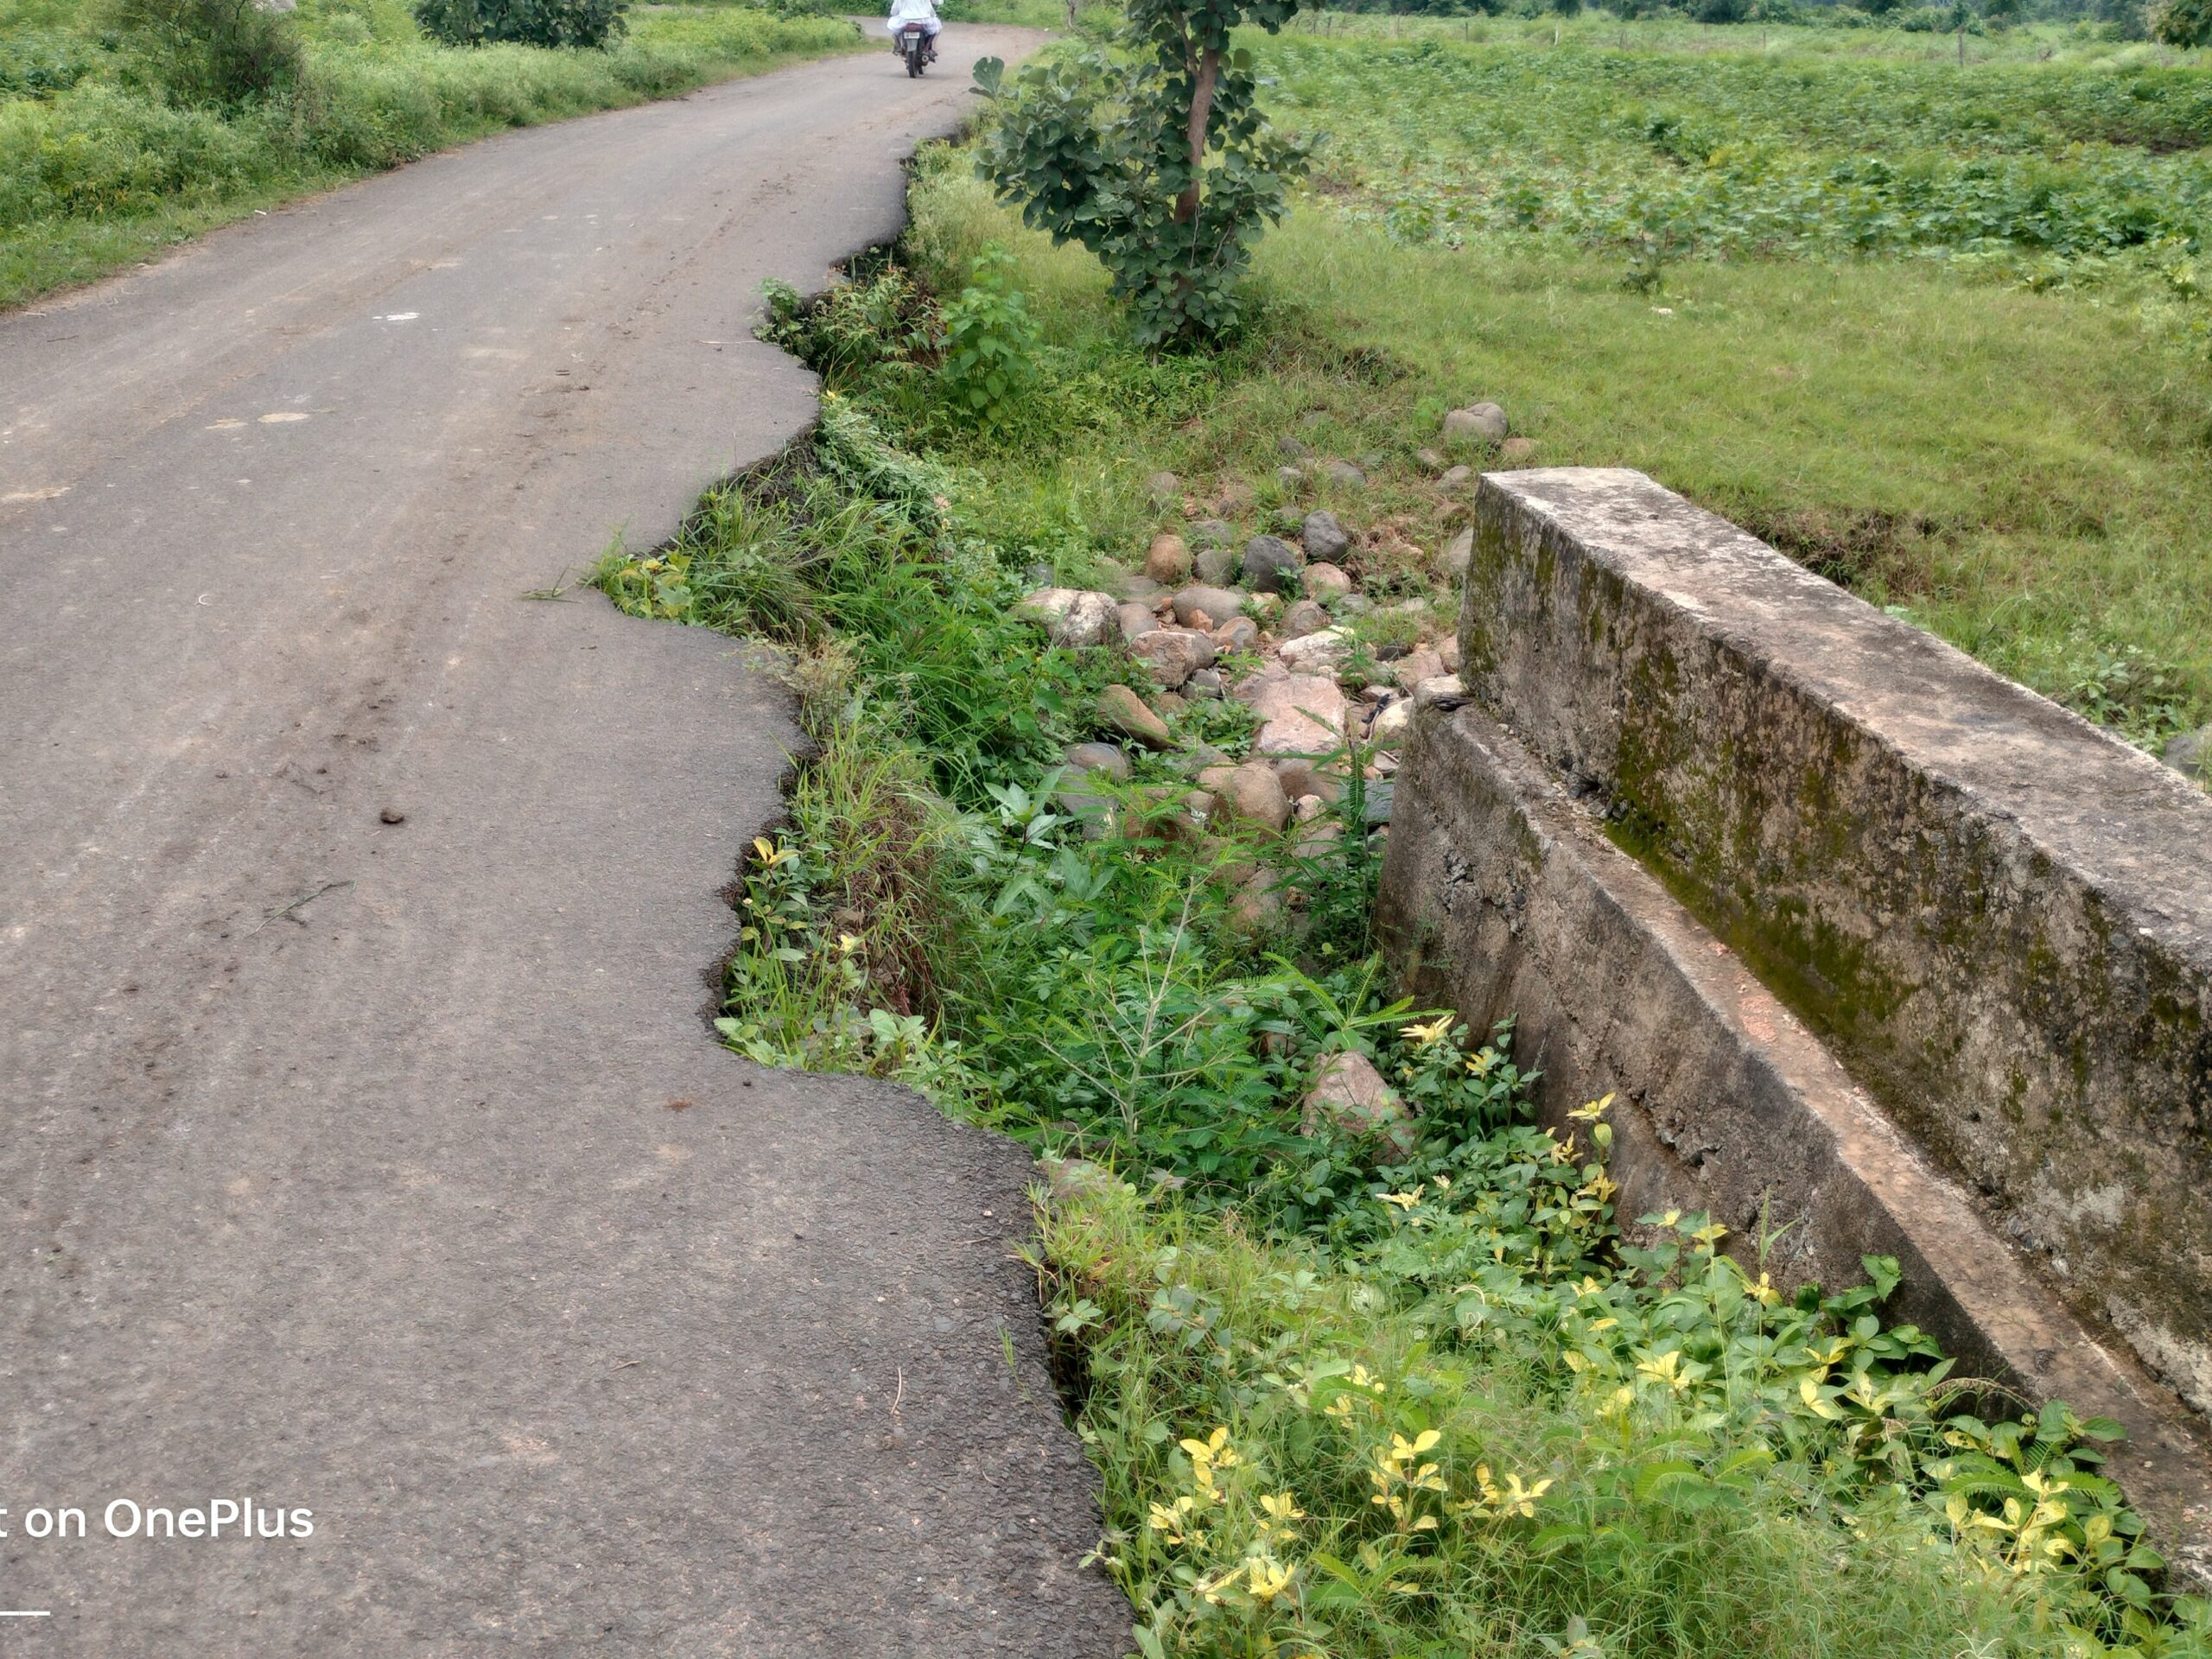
1998	917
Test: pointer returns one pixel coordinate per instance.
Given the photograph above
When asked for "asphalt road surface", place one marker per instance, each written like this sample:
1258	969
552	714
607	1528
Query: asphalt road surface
364	1149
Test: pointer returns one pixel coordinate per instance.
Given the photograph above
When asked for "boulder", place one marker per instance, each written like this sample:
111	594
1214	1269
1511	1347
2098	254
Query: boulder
1267	560
1134	586
1104	758
1349	1097
2190	754
1073	617
1120	709
1213	533
1172	655
1238	633
1167	560
1164	488
1431	459
1215	564
1447	648
1477	423
1323	652
1445	689
1325	582
1416	665
1300	713
1291	449
1300	619
1324	538
1136	619
1344	475
1219	603
1518	451
1459	554
1203	682
1234	497
1302	778
1256	909
1388	728
1289	479
1251	793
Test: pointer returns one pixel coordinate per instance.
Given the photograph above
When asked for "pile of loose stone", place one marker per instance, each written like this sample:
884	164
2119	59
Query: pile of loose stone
1286	598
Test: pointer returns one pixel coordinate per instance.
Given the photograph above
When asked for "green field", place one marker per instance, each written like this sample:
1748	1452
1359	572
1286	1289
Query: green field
100	167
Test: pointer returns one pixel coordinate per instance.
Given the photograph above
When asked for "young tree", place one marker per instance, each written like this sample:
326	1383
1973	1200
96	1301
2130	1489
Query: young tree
1156	157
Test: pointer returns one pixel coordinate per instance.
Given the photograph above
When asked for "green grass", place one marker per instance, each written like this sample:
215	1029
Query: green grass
98	171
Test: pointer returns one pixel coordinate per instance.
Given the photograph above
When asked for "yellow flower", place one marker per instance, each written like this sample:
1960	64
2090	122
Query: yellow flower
1404	1200
1282	1513
1482	1063
1430	1034
849	943
1268	1579
1590	1111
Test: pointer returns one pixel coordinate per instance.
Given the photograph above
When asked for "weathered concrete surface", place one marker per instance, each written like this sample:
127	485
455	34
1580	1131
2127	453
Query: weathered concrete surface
1502	896
388	1170
1998	916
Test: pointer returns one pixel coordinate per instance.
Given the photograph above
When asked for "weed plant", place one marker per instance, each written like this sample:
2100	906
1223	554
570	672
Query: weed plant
1422	1400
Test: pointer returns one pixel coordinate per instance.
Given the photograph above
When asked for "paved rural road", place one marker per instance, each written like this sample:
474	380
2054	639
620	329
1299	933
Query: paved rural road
387	1170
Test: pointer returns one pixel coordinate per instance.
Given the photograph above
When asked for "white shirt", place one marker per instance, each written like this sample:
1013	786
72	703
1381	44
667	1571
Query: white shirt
902	9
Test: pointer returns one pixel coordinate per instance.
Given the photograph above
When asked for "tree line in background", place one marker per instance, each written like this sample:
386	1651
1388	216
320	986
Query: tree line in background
2178	22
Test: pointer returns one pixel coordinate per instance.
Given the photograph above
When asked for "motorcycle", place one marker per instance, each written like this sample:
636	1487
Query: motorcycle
915	46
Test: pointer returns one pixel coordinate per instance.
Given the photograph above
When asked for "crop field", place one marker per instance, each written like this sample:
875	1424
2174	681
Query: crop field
1942	333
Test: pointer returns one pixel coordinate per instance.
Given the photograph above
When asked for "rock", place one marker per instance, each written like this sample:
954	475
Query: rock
1120	709
1322	653
1164	488
1072	616
1104	758
1136	619
1266	606
1325	582
1087	806
1459	553
1349	1097
1213	533
1256	909
1416	665
1168	560
1302	618
1476	424
1215	566
1173	654
1456	477
1266	560
1431	459
1306	808
1219	603
1323	537
1517	450
1447	688
2190	754
1343	473
1290	479
1238	633
1388	729
1448	649
1251	793
1071	1180
1203	682
1300	713
1381	795
1291	448
1135	585
1194	761
1302	778
1165	812
1316	835
1233	496
1170	705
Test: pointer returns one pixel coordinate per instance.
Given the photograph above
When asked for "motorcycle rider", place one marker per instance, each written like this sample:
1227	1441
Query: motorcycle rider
921	11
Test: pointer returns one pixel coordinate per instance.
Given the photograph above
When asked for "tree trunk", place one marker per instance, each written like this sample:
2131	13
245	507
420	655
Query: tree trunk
1204	73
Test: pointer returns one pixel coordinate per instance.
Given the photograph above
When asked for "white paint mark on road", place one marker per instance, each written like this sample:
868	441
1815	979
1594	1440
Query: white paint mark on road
47	494
395	316
278	416
229	423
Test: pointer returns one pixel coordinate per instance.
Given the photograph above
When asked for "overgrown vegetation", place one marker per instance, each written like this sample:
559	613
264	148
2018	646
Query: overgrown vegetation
1349	1398
125	128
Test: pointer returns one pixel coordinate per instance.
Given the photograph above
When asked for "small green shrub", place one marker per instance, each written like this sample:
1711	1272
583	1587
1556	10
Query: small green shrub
991	346
212	52
595	23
